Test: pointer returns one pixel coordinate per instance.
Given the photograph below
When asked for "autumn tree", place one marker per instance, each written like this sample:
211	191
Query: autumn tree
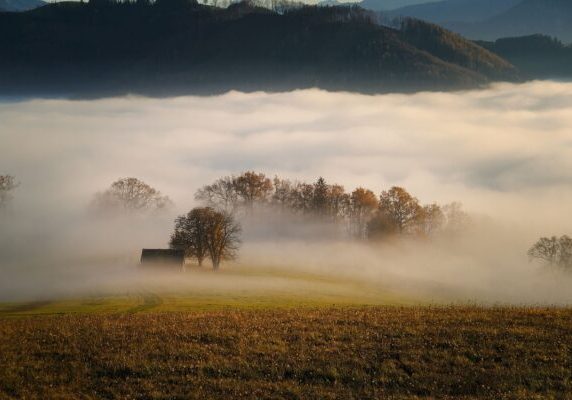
204	232
223	236
7	185
553	251
362	206
190	234
230	192
400	208
381	225
253	187
130	195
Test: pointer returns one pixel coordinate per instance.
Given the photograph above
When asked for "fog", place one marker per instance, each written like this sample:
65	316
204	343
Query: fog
504	152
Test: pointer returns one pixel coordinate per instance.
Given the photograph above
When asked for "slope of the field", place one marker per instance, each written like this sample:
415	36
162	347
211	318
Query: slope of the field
322	353
239	287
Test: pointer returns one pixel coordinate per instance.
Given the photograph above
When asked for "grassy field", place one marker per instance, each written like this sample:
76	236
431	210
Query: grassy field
291	353
202	290
256	334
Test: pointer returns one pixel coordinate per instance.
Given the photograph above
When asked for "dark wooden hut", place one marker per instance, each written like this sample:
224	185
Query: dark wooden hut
163	258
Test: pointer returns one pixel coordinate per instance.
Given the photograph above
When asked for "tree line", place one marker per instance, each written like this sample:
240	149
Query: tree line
8	184
212	231
363	213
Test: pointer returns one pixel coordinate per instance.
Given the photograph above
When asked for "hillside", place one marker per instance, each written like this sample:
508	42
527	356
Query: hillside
384	5
20	5
547	17
455	10
537	56
170	48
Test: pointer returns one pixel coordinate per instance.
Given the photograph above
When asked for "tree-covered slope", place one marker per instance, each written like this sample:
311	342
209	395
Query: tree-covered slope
183	47
547	17
20	5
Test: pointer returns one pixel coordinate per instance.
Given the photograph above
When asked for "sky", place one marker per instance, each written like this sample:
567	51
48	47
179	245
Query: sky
505	152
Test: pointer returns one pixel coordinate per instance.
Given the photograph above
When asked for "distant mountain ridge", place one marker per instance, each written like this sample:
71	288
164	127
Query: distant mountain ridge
20	5
385	5
455	10
528	17
183	47
537	56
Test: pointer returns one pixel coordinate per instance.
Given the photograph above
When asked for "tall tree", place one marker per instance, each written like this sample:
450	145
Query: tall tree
7	185
320	198
456	219
363	203
223	237
190	234
400	208
339	202
283	195
431	219
221	194
205	231
553	251
253	187
130	195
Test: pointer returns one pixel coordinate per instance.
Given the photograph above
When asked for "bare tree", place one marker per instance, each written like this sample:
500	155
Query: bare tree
7	185
223	236
339	202
205	231
221	194
283	196
431	219
190	234
230	192
456	219
553	251
130	195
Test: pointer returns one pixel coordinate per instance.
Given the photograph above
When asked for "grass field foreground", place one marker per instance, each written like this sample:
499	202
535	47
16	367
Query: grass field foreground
326	353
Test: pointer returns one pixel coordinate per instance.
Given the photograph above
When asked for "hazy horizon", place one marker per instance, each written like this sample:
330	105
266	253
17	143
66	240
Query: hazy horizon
504	152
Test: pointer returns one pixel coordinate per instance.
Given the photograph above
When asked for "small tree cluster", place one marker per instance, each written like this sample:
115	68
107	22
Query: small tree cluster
205	232
7	185
364	214
129	195
553	251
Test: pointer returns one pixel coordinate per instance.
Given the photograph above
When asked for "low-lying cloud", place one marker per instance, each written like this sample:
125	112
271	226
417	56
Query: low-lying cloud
505	152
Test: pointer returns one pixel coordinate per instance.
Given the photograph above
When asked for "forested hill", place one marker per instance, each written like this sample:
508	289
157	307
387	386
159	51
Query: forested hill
177	47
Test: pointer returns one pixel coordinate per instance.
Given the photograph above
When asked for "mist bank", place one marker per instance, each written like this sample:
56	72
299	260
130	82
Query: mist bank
503	152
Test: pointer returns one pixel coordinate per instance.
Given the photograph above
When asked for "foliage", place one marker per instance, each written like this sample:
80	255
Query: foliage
553	251
130	195
207	231
7	185
191	234
360	212
180	46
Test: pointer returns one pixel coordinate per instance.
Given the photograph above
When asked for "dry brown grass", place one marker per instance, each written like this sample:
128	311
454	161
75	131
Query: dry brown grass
346	353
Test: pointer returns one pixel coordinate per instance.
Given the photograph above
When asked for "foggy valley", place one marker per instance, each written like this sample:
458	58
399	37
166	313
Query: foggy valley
503	152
